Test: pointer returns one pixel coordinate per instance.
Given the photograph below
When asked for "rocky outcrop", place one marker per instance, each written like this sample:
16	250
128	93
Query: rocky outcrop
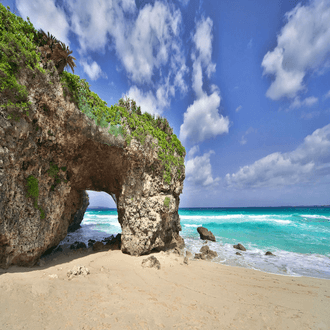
239	246
51	152
205	234
79	216
206	253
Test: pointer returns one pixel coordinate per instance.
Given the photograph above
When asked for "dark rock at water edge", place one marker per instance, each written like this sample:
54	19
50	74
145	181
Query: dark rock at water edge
111	243
98	246
239	246
205	234
78	245
205	253
79	216
91	242
238	253
268	253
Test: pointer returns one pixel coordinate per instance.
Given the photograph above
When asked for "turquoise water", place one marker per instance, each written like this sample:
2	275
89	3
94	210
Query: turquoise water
298	236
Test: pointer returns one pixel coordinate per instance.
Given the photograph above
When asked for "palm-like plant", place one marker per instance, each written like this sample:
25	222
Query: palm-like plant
57	51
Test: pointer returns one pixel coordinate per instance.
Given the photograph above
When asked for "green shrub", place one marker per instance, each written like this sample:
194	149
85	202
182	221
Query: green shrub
167	201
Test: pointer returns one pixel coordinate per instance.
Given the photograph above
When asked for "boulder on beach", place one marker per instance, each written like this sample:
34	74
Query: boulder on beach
205	234
238	253
268	253
151	262
239	246
205	253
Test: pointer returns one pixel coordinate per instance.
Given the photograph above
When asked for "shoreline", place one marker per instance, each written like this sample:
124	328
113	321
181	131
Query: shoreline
120	294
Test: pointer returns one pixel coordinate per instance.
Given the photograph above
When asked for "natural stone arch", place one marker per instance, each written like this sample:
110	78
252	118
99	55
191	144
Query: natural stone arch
52	153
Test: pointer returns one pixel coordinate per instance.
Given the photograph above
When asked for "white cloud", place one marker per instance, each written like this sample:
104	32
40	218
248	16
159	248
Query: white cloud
147	101
192	151
44	15
199	170
93	70
238	108
202	120
249	45
203	43
327	95
144	40
243	139
309	101
309	162
302	45
310	115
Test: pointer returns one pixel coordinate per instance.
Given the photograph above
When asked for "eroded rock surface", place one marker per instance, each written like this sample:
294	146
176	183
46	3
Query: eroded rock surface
79	216
58	150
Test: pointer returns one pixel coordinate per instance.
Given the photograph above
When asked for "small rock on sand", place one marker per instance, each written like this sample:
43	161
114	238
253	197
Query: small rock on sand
151	262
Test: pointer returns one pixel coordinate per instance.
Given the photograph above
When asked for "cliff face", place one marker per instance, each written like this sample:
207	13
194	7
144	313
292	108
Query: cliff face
51	152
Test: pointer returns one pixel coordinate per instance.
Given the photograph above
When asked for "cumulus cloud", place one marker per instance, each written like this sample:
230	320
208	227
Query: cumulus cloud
93	70
327	95
238	108
309	101
192	151
143	40
147	101
202	119
310	161
199	170
46	16
303	45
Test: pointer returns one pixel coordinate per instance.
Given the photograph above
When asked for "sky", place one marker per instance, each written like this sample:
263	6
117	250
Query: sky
245	85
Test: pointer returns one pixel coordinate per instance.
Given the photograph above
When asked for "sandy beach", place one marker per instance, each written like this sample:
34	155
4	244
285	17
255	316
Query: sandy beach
118	293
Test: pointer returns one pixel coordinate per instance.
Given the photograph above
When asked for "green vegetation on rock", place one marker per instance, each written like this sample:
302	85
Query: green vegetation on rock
53	172
167	201
19	42
33	191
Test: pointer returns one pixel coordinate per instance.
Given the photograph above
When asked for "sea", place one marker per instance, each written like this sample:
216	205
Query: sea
299	237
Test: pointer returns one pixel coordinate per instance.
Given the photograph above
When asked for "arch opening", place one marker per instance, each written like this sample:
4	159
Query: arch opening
95	221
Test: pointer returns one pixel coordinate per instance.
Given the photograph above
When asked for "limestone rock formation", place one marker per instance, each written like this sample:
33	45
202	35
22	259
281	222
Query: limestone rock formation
51	152
205	234
79	216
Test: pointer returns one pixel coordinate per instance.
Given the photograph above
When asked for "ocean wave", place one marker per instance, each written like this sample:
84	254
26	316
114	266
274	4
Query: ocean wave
282	263
190	225
312	216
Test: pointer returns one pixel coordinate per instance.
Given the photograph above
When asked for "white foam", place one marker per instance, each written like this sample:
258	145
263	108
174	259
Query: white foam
283	263
283	221
314	216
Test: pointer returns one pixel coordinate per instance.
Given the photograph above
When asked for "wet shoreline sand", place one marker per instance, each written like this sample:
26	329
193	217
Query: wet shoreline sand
120	294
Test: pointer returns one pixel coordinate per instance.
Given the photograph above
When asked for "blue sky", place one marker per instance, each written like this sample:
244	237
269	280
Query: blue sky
245	85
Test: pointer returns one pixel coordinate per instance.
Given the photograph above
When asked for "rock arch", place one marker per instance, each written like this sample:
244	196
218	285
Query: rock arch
54	152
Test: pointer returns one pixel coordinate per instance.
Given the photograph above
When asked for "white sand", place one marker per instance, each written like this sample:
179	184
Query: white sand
120	294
